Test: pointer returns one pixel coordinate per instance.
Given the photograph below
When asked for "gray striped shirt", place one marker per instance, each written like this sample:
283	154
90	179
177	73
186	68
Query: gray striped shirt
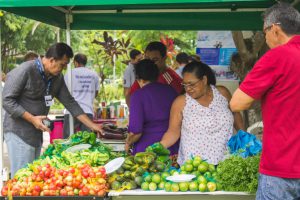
24	90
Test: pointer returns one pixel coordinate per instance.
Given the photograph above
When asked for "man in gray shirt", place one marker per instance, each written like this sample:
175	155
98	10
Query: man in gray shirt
129	76
27	96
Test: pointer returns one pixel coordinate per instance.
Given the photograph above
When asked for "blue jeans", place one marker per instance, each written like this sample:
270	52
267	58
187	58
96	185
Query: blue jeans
275	188
19	152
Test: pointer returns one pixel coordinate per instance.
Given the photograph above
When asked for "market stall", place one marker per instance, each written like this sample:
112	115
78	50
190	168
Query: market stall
148	195
145	15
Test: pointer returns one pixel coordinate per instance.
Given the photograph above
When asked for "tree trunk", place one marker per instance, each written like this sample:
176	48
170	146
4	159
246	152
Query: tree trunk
249	51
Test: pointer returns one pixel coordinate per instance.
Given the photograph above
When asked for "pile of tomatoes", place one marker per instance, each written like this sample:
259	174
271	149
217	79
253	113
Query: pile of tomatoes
46	180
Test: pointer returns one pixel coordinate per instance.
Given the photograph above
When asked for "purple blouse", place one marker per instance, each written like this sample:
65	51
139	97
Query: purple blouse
149	114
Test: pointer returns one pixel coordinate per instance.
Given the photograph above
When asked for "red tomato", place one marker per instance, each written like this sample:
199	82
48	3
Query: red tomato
63	192
52	186
37	188
96	188
85	191
35	193
101	193
72	170
4	191
85	174
47	173
75	183
46	192
92	192
92	174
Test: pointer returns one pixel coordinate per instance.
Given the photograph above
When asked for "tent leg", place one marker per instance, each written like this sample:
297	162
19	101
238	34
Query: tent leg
3	177
69	81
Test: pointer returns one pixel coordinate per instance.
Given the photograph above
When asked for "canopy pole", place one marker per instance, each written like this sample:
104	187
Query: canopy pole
69	72
1	120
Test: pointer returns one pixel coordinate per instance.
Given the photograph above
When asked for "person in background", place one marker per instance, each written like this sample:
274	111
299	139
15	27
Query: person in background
27	96
129	76
85	87
182	59
30	56
157	52
149	109
201	118
274	80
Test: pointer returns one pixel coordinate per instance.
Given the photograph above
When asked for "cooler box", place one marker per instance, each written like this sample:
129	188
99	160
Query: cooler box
57	131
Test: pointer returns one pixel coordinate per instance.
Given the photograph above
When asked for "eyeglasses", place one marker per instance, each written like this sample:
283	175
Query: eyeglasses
270	27
190	85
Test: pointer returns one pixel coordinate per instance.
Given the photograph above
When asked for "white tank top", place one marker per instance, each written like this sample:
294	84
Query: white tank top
205	131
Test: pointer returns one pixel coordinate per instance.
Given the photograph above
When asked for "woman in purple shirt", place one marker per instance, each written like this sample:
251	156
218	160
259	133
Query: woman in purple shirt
149	109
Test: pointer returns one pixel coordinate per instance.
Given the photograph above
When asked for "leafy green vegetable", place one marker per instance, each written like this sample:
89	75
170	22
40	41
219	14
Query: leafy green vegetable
239	174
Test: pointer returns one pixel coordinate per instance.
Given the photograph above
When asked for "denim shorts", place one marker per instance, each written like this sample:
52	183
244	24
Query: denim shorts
19	152
276	188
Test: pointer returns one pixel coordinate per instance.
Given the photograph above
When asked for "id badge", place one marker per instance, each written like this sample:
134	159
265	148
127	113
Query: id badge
49	100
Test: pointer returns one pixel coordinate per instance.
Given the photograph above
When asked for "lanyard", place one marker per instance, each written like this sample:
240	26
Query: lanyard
41	70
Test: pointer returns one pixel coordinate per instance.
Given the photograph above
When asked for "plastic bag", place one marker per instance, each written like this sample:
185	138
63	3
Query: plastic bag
244	144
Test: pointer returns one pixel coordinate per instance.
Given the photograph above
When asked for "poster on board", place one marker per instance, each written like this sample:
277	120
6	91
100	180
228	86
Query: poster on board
215	49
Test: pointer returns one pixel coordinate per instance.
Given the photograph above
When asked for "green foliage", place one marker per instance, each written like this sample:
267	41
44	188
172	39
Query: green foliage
42	37
110	93
239	174
13	31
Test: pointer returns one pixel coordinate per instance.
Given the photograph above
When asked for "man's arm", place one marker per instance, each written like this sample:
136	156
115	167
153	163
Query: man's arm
97	128
37	121
70	103
240	101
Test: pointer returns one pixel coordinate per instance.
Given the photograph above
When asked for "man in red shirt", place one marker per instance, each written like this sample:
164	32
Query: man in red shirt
157	52
275	80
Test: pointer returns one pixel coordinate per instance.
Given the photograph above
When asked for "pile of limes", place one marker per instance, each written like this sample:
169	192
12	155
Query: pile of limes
204	182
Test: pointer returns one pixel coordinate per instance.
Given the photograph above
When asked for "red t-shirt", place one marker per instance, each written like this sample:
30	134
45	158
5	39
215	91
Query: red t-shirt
169	76
275	80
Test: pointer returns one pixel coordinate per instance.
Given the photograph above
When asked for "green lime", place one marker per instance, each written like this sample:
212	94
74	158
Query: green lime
196	163
164	175
202	187
174	187
152	186
183	187
182	168
207	175
161	185
168	186
189	162
189	167
198	158
145	186
193	186
173	171
211	186
148	178
156	178
202	168
201	179
211	168
196	173
115	185
182	172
